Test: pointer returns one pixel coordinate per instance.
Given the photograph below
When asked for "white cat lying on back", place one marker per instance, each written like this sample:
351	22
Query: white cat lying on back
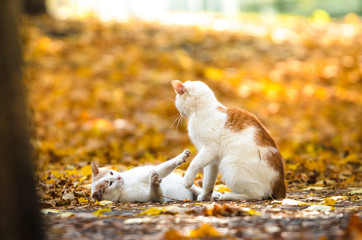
155	183
231	141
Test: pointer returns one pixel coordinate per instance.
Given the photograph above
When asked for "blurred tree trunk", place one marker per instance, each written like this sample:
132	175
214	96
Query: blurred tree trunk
19	212
34	7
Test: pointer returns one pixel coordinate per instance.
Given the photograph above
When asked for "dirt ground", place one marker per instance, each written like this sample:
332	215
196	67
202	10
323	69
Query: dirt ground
308	214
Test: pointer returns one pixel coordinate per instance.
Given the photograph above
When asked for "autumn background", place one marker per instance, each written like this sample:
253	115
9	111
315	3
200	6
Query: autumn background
99	90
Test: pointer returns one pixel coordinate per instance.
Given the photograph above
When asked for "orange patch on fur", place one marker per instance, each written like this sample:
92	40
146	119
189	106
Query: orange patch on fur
238	120
275	160
102	172
99	190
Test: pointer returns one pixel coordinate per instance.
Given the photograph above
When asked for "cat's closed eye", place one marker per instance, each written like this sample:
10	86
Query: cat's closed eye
110	183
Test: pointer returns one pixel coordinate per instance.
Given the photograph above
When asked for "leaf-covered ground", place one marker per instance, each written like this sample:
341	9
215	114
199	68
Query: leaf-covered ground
101	92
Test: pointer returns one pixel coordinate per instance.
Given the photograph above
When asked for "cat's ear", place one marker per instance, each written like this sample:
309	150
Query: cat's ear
95	170
178	86
97	195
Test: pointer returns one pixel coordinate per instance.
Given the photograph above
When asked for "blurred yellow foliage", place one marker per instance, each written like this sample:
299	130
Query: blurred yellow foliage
101	92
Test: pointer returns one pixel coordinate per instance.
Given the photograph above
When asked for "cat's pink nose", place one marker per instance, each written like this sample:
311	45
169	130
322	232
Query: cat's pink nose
119	178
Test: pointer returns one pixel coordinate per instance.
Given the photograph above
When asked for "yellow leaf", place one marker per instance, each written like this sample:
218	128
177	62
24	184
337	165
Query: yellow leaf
153	211
50	181
100	211
222	188
253	212
82	200
204	231
352	158
104	203
293	167
329	202
57	174
173	234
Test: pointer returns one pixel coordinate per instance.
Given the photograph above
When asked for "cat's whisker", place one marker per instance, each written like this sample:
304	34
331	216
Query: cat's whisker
179	121
176	120
176	115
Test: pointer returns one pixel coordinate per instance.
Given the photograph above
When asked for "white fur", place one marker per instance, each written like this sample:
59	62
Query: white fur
134	185
235	154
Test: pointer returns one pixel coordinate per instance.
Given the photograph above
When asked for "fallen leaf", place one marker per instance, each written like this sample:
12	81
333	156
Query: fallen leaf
321	208
329	202
138	220
104	203
82	200
252	212
68	196
153	211
173	234
292	202
357	191
46	211
204	231
65	214
100	211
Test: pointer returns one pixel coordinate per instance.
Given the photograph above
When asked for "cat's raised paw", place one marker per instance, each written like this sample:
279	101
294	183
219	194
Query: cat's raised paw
154	177
187	153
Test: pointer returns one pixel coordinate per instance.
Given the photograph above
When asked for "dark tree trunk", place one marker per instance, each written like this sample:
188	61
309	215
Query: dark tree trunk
19	212
34	7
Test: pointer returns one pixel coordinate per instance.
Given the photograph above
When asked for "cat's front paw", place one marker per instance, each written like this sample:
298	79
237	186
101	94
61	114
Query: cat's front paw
216	196
204	197
183	157
154	177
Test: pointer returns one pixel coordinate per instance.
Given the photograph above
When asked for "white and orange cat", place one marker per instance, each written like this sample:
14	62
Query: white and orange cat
231	141
156	183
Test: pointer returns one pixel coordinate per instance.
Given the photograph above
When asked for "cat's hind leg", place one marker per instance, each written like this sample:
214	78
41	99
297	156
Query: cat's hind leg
155	191
167	167
233	196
